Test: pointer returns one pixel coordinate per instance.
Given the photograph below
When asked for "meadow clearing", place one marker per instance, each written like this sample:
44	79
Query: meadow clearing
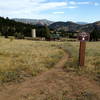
33	62
19	58
92	55
92	59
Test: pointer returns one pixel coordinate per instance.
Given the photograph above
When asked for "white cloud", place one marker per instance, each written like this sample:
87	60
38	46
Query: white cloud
96	4
49	5
72	3
58	12
84	3
33	4
29	7
72	7
34	8
78	3
38	1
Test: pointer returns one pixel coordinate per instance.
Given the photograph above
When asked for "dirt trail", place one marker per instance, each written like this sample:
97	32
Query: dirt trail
55	84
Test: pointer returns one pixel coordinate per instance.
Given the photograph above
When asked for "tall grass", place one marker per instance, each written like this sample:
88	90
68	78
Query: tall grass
72	62
21	58
92	58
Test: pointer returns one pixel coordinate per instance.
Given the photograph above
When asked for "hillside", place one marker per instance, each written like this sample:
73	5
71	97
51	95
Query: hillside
66	26
70	26
33	21
82	23
10	27
20	30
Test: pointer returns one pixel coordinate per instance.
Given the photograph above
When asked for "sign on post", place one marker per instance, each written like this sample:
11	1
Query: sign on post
82	37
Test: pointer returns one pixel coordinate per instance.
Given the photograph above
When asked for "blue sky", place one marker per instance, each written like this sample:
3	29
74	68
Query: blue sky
55	10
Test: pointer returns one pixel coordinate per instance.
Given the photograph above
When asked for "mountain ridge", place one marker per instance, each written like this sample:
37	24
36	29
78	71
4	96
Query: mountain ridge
74	27
33	21
60	25
42	21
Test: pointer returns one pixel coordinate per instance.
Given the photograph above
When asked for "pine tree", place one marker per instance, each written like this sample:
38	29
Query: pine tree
94	36
47	32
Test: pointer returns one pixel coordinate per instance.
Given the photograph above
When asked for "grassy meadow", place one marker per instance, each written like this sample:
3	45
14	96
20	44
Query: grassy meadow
23	58
92	59
19	58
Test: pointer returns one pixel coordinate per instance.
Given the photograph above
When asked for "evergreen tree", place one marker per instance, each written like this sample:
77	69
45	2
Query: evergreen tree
94	36
9	27
47	32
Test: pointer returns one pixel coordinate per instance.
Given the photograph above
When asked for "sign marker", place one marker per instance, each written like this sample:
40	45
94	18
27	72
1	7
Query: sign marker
82	37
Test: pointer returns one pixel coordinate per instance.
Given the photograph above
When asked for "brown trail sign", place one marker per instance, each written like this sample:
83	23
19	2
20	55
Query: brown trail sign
82	37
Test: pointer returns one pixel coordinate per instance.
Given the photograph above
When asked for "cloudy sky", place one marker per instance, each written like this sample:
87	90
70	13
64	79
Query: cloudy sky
55	10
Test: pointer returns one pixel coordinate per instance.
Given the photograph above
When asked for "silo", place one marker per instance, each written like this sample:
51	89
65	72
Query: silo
33	33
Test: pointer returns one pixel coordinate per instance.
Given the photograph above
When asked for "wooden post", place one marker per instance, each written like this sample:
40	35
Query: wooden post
83	37
82	53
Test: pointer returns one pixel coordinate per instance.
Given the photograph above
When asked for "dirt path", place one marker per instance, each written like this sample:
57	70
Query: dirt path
55	84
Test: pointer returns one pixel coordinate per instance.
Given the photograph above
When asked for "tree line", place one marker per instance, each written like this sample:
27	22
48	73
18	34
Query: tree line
95	34
20	30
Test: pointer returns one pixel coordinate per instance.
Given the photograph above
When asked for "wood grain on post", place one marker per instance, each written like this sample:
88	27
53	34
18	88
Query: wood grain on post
82	53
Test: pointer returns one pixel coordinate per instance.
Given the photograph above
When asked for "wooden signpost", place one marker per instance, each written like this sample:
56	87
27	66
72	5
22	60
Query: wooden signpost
83	37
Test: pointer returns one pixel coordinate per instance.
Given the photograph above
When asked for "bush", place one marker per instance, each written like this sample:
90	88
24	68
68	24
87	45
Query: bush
11	38
19	35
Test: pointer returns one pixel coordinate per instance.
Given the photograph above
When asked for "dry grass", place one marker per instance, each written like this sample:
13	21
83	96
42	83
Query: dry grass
20	58
92	59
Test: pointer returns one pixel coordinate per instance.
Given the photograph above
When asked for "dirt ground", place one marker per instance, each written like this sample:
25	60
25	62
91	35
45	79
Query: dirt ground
55	84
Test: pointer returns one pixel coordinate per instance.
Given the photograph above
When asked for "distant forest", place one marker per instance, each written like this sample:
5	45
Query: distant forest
19	30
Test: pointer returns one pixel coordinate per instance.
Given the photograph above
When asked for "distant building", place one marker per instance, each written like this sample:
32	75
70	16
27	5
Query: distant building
33	33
